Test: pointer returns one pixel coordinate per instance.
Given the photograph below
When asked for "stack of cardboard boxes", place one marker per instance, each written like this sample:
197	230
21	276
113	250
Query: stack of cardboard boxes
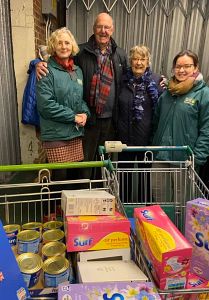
99	235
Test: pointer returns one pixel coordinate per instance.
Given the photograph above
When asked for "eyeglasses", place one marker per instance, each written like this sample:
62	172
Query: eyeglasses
105	27
135	59
185	67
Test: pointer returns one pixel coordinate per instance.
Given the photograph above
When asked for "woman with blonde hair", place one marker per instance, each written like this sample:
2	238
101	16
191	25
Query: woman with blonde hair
63	112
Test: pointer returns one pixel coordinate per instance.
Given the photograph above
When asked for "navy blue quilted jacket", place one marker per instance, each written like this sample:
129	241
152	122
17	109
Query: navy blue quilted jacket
29	106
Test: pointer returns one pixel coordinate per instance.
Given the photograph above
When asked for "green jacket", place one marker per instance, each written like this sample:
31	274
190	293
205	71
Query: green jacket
59	99
183	120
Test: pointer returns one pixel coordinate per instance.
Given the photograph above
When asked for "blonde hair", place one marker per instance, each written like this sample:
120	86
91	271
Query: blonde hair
53	38
141	50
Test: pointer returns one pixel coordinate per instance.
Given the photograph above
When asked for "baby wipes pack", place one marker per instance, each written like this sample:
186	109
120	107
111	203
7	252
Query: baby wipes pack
166	249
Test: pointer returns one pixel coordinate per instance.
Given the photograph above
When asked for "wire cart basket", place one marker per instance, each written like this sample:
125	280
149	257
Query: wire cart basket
24	200
167	183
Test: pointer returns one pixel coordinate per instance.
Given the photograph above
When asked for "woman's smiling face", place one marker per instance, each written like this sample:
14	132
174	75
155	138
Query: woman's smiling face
184	68
63	46
139	65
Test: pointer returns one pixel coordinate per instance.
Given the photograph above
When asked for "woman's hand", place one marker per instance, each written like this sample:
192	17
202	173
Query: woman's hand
80	119
41	69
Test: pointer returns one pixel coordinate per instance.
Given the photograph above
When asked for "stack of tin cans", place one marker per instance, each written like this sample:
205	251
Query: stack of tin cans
41	252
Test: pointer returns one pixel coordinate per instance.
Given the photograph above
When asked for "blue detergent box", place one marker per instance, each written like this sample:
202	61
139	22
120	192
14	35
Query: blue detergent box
12	285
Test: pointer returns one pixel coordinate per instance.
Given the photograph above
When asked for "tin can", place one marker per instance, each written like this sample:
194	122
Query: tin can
56	270
53	225
32	226
53	249
28	241
12	231
30	265
53	235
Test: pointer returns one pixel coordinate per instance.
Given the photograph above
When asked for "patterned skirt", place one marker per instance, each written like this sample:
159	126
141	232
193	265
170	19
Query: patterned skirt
70	152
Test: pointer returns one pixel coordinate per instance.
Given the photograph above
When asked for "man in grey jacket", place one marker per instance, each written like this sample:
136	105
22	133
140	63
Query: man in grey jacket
103	64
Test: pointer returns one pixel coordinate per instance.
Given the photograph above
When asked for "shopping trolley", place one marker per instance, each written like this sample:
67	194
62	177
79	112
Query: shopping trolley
148	181
25	200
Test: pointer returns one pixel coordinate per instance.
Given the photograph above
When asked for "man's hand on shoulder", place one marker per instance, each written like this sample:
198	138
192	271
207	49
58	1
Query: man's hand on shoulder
163	82
41	69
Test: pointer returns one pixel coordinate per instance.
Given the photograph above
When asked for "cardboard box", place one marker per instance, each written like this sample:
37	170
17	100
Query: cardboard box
77	203
166	249
97	232
12	285
113	290
196	232
196	282
113	254
107	271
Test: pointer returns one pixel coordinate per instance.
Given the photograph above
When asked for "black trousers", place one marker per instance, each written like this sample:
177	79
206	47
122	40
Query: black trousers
204	173
95	136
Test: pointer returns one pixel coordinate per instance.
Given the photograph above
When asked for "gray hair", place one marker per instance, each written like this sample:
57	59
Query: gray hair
141	50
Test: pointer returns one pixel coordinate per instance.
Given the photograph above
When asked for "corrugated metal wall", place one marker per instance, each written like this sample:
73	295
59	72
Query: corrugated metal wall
9	133
165	26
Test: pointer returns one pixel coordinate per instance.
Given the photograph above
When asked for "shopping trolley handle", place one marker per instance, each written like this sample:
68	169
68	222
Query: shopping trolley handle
52	166
117	146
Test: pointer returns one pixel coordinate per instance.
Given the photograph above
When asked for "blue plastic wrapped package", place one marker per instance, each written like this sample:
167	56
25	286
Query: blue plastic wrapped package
12	285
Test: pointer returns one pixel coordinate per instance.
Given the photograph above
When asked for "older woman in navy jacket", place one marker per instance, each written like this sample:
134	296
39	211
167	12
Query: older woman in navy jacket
137	101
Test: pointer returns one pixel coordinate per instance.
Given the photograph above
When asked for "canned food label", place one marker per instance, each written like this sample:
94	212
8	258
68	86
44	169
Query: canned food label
12	237
32	246
53	280
38	229
31	279
71	276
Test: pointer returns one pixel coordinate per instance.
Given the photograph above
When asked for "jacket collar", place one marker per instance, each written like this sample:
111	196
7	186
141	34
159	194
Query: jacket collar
58	66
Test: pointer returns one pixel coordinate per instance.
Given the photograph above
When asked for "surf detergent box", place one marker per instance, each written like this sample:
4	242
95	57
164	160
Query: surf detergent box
108	290
77	203
196	282
97	232
12	285
196	231
166	249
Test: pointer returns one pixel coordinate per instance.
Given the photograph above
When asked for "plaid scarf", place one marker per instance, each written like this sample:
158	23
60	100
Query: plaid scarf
143	84
101	81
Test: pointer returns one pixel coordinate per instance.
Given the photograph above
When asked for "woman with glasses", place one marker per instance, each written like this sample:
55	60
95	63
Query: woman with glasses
182	114
137	101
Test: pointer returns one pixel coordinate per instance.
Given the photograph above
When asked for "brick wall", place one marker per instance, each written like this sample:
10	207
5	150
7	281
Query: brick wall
40	39
40	25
